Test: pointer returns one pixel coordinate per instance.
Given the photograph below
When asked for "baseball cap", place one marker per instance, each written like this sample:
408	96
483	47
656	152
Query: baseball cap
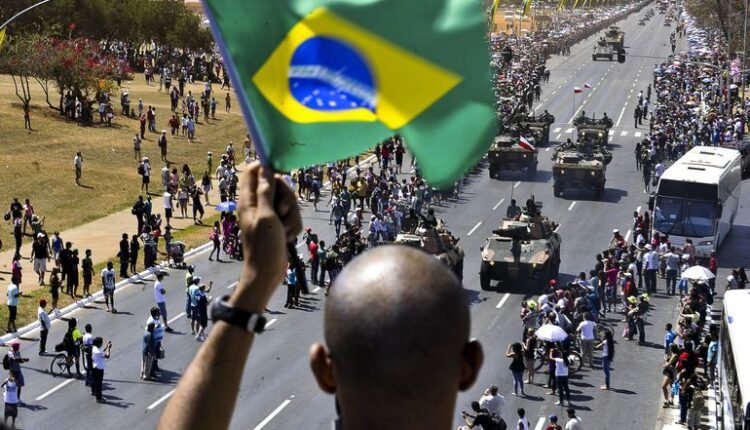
615	231
553	418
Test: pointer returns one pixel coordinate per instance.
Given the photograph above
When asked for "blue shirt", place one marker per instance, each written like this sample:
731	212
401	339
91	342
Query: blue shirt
669	337
713	348
291	277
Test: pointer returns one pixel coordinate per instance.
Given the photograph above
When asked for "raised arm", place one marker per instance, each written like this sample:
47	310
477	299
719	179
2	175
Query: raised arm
269	219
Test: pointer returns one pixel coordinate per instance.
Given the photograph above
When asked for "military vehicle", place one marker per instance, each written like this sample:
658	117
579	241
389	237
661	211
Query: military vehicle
581	165
527	248
536	128
615	38
593	130
603	50
438	242
506	153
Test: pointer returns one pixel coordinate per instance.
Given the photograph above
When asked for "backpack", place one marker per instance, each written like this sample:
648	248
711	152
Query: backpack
141	169
6	362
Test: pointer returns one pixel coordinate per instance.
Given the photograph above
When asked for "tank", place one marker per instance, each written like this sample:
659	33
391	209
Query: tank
523	251
615	37
537	128
506	154
438	242
603	50
581	166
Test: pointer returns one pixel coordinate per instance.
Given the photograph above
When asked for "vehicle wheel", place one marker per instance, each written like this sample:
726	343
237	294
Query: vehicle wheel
539	359
574	361
493	172
599	193
593	58
58	367
484	278
558	192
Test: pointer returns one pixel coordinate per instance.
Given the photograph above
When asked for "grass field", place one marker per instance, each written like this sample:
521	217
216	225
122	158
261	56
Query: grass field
38	165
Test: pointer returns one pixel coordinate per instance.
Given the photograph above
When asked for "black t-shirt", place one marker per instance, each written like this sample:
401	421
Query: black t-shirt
485	421
40	250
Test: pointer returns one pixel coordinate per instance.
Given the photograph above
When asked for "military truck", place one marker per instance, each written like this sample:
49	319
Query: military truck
595	131
438	242
536	128
615	38
506	153
523	249
581	165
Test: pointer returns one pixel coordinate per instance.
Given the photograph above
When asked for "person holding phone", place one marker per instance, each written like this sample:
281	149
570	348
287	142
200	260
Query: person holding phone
98	357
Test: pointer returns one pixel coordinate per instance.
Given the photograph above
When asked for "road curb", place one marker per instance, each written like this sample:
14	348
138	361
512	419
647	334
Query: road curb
4	340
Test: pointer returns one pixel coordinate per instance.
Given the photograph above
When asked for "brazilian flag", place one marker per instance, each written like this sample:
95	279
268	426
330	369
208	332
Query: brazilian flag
321	80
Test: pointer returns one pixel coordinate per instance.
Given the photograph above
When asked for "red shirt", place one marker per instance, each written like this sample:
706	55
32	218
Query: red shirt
313	248
712	264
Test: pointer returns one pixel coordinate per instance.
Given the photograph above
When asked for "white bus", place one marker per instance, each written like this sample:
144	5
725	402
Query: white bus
697	198
734	362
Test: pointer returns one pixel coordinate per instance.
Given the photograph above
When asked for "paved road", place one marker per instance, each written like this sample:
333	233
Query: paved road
278	391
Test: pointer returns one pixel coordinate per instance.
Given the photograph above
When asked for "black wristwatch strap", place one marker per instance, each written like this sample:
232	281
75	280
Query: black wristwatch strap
222	311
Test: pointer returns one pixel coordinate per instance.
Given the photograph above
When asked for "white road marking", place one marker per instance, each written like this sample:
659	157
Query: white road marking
474	229
60	385
271	322
554	92
273	414
497	205
558	137
557	129
180	315
502	301
637	134
568	131
234	284
622	112
539	106
516	184
611	139
540	423
161	400
624	133
570	208
611	133
546	149
627	235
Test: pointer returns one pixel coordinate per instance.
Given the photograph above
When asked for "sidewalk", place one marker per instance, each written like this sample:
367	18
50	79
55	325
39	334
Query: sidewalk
103	235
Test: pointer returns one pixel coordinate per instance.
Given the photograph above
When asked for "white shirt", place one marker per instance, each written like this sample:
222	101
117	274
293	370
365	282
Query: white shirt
108	278
43	318
525	422
574	424
158	295
560	368
146	169
167	200
494	404
587	329
10	395
97	356
88	339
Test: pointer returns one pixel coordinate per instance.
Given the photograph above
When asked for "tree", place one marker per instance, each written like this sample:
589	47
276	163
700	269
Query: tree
16	60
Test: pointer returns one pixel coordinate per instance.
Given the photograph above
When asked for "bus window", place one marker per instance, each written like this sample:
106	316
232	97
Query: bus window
681	217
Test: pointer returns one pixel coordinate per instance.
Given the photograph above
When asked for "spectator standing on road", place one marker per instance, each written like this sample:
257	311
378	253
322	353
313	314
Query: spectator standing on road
608	354
202	310
523	422
78	165
672	263
14	361
586	330
574	422
108	287
12	294
11	398
161	301
291	285
561	374
98	357
515	353
86	344
135	246
214	237
492	402
149	351
124	255
313	249
154	318
44	326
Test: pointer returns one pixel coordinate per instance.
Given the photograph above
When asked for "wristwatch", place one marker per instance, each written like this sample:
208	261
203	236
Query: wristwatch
223	311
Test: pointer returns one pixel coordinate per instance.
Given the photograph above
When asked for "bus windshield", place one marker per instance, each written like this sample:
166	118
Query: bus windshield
684	217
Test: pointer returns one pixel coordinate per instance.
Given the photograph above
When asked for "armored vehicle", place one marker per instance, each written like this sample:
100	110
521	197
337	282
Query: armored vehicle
603	50
526	248
592	130
438	242
615	38
508	153
537	128
580	165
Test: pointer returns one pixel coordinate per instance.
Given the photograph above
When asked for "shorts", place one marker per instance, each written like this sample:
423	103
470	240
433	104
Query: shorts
40	265
146	179
168	213
194	313
162	308
11	410
12	313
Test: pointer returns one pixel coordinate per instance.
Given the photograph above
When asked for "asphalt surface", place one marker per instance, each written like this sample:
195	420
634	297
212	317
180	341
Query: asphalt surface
278	390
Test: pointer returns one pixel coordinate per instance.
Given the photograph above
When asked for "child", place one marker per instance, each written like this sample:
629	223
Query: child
669	337
88	273
54	289
10	397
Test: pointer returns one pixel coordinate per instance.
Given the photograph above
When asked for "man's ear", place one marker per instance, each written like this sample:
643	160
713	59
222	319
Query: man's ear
322	368
471	362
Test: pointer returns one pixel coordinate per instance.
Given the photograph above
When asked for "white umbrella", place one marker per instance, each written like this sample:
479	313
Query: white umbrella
697	273
551	333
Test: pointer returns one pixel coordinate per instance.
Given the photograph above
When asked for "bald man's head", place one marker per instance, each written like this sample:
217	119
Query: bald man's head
397	321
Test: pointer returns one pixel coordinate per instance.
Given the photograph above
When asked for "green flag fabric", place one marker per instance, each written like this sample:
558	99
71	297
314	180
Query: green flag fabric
321	80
